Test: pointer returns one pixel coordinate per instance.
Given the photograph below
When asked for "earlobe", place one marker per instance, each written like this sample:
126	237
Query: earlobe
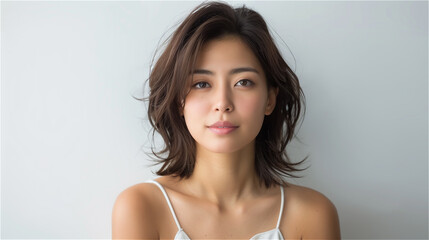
269	109
271	103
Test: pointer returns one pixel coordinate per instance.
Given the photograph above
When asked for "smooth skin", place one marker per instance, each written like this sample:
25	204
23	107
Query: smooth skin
223	199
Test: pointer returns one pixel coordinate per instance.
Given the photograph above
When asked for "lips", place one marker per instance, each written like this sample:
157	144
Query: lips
222	127
223	124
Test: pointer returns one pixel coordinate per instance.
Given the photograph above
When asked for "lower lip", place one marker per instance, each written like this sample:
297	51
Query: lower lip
222	131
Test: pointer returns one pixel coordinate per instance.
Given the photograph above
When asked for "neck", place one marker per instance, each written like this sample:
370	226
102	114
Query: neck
225	178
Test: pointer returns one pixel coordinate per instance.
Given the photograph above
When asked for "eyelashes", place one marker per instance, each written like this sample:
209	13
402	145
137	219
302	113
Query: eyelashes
245	83
200	85
241	83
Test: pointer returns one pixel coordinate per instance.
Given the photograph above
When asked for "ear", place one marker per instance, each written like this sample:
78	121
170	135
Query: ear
271	103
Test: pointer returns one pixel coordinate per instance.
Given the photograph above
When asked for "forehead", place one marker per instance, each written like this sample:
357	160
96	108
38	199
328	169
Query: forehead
226	53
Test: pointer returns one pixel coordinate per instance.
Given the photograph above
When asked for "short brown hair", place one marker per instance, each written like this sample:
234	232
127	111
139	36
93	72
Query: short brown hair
168	82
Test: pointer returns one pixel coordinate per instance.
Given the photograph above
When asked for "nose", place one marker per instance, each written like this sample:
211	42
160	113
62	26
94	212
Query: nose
223	102
224	109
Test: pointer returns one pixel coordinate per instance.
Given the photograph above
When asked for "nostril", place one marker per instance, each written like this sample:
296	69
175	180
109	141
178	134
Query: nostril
224	109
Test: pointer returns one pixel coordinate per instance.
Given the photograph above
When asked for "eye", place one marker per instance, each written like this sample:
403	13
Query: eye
201	85
244	83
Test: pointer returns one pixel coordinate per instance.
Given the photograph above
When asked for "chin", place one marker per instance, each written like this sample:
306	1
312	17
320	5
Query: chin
224	148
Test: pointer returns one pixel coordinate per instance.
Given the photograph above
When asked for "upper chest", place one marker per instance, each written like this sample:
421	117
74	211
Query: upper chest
202	220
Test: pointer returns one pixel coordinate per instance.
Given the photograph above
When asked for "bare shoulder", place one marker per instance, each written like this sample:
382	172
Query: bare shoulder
134	214
317	214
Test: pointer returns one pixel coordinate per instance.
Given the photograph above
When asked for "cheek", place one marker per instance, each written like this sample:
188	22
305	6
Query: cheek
253	106
253	111
195	111
194	108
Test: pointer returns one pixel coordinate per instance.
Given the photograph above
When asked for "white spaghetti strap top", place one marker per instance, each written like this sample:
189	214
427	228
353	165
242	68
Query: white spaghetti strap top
168	202
181	235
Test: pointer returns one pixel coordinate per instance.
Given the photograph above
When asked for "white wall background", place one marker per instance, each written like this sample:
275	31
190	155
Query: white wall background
72	136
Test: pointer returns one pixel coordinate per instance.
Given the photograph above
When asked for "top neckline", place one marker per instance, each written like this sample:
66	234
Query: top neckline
181	234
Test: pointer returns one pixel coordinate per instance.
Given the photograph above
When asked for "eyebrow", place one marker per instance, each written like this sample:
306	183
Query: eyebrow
233	71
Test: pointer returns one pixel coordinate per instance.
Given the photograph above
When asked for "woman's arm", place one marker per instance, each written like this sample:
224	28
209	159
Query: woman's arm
133	217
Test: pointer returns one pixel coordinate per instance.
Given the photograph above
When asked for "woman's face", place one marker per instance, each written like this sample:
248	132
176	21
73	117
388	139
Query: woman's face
225	107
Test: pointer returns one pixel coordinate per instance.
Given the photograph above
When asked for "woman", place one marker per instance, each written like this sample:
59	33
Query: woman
226	104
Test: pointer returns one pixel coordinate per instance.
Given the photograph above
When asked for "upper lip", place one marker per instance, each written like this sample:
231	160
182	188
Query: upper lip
223	124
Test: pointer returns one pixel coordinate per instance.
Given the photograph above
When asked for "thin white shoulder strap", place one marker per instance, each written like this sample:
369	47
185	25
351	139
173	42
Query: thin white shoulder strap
168	201
281	207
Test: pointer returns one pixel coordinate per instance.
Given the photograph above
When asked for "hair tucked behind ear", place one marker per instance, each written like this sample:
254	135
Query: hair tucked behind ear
168	82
